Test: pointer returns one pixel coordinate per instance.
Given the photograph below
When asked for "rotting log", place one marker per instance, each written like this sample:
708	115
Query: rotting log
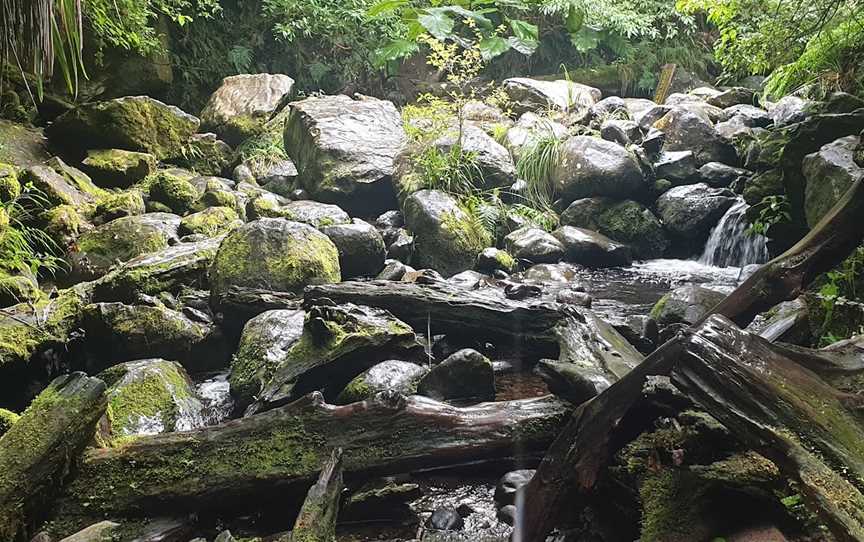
317	519
785	277
37	453
223	466
811	431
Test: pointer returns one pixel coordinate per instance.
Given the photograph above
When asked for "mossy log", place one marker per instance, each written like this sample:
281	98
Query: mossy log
240	462
785	277
317	519
37	452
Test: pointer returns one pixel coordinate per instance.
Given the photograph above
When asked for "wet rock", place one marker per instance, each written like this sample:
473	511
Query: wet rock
467	374
243	103
653	142
829	173
149	397
423	276
733	96
274	254
469	280
689	212
687	305
398	376
315	214
592	249
624	221
402	247
492	160
548	274
121	332
210	222
737	127
640	331
493	259
510	484
361	248
265	342
570	296
534	95
696	105
119	205
121	240
174	191
531	129
135	123
788	322
385	499
344	150
593	167
687	131
534	245
622	132
753	116
507	514
679	167
445	519
444	237
60	189
337	344
118	168
393	270
789	110
720	175
167	270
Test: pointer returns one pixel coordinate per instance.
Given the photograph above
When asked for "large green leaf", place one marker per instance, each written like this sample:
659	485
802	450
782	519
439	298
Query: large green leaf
437	22
386	6
575	19
585	40
525	38
492	46
394	51
476	16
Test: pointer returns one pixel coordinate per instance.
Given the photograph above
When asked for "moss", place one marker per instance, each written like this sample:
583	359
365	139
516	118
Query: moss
10	187
18	289
63	222
505	260
120	204
356	390
174	191
219	198
120	240
210	222
119	167
7	420
669	507
657	309
242	127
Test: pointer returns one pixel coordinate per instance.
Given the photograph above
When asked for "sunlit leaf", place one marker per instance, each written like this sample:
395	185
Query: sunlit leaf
492	46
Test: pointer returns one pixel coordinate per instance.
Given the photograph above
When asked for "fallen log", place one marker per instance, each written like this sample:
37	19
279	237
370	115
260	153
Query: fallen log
317	519
784	278
812	432
221	467
37	452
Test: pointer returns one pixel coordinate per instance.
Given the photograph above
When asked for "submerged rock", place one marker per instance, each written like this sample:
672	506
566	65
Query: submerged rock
344	150
398	376
467	374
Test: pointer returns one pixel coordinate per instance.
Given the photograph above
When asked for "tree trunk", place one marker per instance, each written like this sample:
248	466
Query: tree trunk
222	467
317	519
38	451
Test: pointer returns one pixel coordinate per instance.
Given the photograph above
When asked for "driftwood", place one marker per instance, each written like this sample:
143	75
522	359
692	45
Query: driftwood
785	277
812	432
283	449
317	519
38	451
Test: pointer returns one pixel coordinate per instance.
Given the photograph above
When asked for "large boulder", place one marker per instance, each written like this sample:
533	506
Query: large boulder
361	248
592	249
23	146
118	168
173	189
529	130
534	245
677	167
491	159
274	254
789	110
590	167
391	375
210	222
829	173
121	240
467	374
689	212
687	131
344	150
57	189
536	95
624	221
314	213
445	238
243	103
685	305
149	397
134	123
264	343
129	332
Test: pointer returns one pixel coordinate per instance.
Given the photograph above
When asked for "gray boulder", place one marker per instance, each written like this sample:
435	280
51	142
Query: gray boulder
625	221
685	305
689	212
687	131
534	245
592	249
789	110
733	96
492	160
720	175
536	95
623	132
118	168
529	130
243	103
393	375
315	214
467	374
361	248
678	167
829	173
344	150
591	167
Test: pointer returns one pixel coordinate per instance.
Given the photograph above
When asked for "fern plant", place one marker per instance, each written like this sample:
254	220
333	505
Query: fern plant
25	249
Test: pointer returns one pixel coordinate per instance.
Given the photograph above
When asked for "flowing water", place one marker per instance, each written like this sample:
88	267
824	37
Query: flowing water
730	245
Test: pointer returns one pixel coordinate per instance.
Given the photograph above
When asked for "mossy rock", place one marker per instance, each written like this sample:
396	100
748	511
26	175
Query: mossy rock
135	123
467	374
10	187
624	221
64	224
120	240
207	155
23	146
120	204
118	168
274	254
7	420
210	222
16	289
687	305
149	397
394	375
762	185
174	191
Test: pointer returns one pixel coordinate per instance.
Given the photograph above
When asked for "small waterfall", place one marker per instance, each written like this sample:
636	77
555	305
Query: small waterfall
729	244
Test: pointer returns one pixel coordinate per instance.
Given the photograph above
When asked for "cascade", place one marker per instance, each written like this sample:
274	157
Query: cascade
729	244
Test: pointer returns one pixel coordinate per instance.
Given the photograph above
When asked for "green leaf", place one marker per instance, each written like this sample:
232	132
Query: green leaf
524	30
394	50
437	22
492	46
585	40
574	21
477	17
385	6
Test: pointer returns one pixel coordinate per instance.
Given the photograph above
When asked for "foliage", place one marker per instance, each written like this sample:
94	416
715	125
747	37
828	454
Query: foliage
838	287
772	210
535	166
24	249
453	171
